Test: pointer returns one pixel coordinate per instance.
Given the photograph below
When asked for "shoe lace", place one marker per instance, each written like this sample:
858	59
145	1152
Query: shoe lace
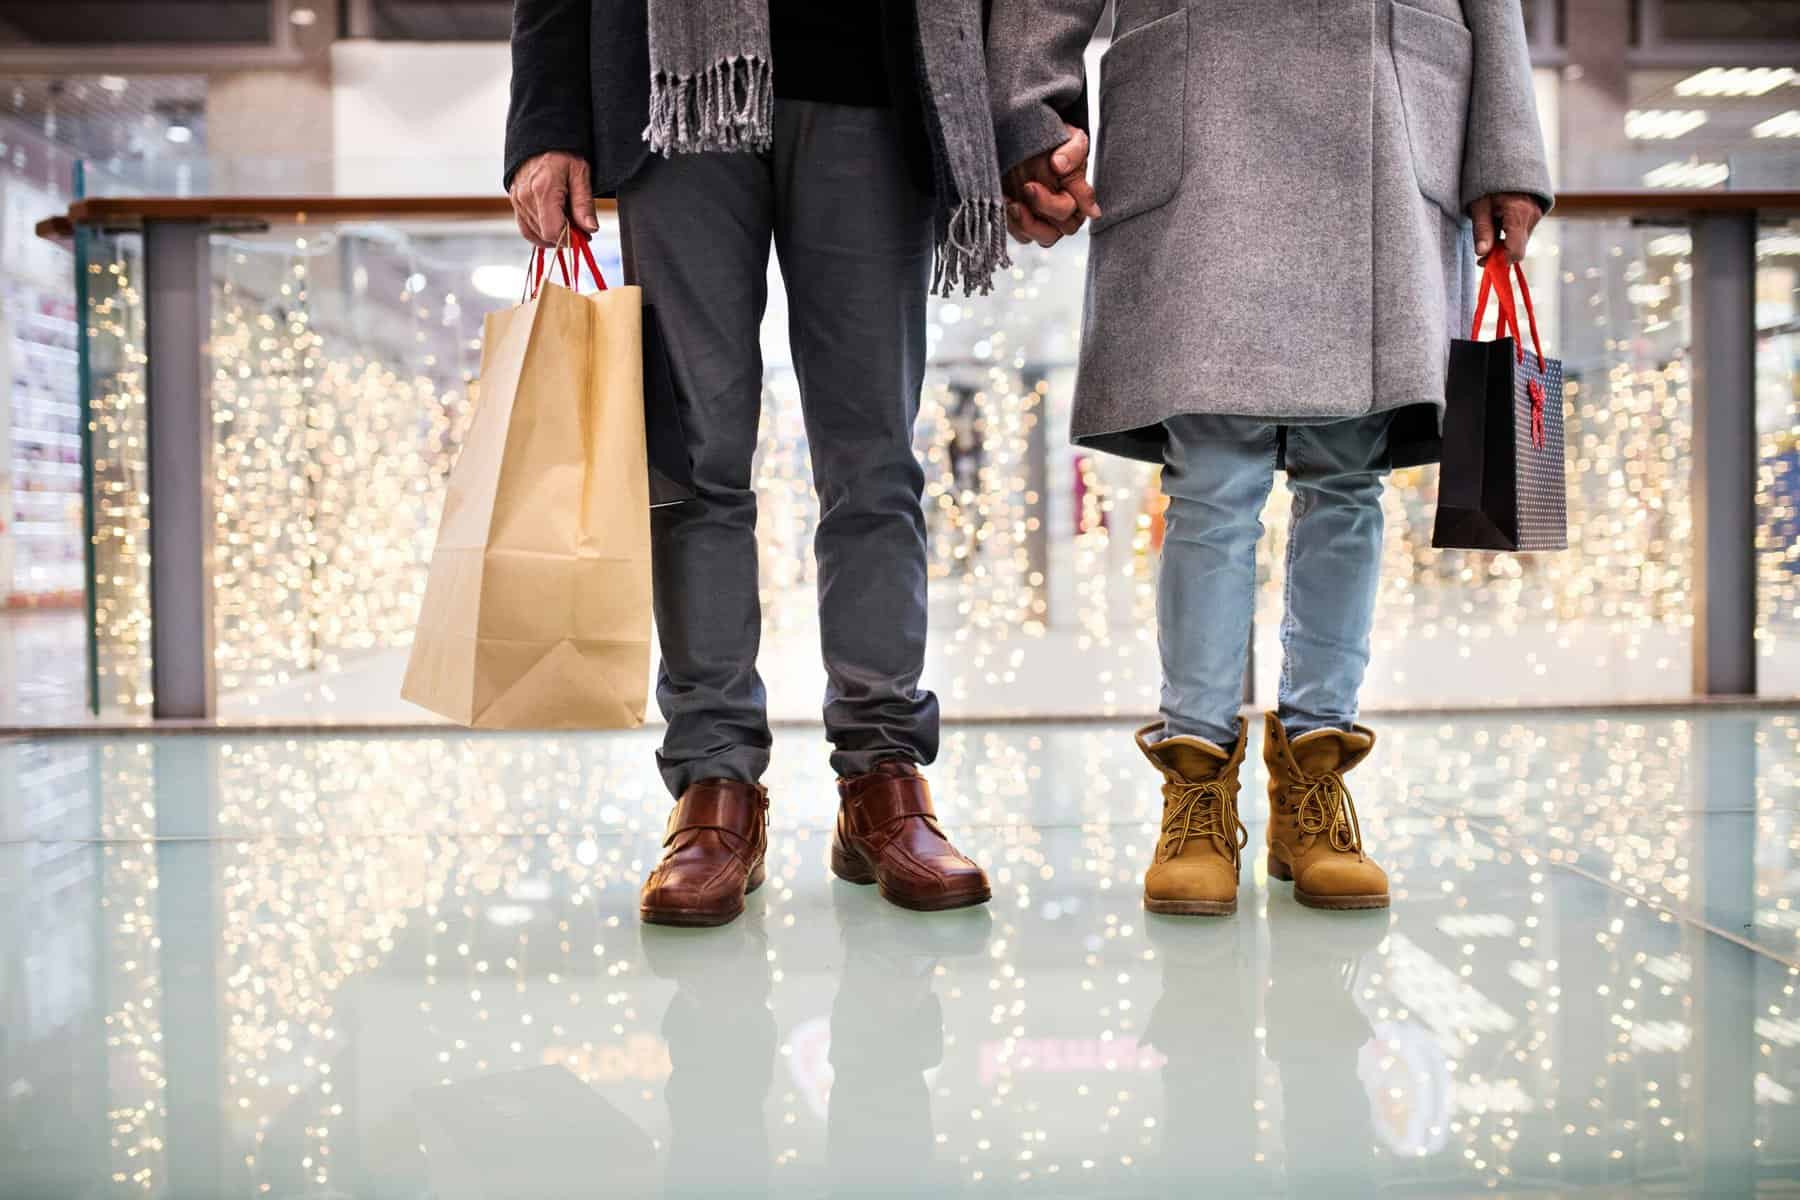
1326	807
1201	810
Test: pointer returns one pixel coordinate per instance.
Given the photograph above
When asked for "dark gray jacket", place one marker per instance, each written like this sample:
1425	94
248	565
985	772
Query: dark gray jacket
581	83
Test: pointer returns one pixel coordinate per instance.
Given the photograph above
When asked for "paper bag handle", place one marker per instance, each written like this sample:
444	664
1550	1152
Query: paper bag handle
580	251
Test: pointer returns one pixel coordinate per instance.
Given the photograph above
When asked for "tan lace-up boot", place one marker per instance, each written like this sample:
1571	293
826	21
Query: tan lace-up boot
1314	837
1195	872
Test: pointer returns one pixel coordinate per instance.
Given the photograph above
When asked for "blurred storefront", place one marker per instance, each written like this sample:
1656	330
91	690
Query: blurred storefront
345	357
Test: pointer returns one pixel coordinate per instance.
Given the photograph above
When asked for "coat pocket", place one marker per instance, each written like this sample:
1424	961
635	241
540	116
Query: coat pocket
1143	118
1433	59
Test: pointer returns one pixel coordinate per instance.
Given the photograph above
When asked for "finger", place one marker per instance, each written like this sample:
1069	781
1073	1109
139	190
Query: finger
1071	155
1034	227
581	196
552	213
1517	223
1078	187
1055	207
1482	213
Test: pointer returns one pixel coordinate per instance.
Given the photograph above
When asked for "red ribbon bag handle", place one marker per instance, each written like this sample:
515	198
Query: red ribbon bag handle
580	250
1495	278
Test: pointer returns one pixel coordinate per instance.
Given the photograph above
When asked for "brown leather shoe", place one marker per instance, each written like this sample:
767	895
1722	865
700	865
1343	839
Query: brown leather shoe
712	857
888	834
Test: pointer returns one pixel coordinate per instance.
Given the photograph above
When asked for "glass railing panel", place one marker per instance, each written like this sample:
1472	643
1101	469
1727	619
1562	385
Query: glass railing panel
345	358
1778	473
117	470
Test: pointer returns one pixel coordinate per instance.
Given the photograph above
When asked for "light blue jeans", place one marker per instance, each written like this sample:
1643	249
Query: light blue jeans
1217	473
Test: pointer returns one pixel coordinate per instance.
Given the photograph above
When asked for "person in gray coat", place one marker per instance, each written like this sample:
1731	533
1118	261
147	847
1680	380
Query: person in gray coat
1288	209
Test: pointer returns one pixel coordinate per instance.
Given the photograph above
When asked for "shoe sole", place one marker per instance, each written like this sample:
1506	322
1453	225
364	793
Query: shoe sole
701	918
855	870
1280	870
1191	908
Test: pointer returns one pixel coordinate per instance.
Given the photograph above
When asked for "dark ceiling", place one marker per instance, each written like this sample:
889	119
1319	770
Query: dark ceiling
443	20
134	22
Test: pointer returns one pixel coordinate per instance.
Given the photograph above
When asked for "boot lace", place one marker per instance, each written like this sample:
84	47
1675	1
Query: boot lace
1326	807
1201	810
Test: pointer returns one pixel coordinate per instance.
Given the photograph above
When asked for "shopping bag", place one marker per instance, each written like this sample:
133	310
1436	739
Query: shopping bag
671	470
1502	483
536	612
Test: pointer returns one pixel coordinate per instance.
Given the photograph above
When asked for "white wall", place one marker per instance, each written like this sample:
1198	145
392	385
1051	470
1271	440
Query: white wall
416	118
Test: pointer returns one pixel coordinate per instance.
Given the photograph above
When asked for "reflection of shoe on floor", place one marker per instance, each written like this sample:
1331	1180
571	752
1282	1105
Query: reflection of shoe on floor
1315	839
887	1030
888	834
1195	870
865	924
721	1038
712	857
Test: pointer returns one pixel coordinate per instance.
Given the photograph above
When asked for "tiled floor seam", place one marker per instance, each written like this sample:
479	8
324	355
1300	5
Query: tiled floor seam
1756	948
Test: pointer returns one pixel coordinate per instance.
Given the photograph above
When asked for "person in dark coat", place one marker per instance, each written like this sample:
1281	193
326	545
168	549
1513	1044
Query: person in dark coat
856	139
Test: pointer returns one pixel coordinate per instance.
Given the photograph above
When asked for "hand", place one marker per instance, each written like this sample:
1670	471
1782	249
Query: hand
1048	194
1512	212
547	190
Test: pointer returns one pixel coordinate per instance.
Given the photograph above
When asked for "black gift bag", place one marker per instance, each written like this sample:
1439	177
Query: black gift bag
1502	482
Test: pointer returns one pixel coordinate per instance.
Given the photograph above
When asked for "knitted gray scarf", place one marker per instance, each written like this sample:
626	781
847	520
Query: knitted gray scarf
712	87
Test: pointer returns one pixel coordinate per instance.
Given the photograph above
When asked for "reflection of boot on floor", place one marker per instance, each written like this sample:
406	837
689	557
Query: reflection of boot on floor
721	1038
1204	1026
1316	1033
887	1030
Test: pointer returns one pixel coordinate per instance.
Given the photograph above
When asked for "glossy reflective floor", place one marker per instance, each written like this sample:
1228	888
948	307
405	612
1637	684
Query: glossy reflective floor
409	966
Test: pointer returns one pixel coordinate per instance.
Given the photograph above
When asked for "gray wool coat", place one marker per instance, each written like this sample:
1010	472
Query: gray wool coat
1285	189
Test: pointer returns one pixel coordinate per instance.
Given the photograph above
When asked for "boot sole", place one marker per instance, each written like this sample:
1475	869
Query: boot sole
701	918
853	869
1191	908
1281	871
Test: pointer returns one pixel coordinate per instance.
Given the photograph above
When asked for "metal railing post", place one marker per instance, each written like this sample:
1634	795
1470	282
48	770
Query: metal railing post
1724	464
177	308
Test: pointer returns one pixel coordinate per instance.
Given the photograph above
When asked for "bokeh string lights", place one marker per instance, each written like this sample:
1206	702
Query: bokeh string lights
340	391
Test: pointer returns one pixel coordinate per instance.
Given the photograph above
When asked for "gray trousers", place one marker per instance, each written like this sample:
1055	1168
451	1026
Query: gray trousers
853	234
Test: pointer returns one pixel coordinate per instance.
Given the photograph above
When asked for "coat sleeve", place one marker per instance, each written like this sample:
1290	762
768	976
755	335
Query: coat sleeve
1036	79
552	107
1505	146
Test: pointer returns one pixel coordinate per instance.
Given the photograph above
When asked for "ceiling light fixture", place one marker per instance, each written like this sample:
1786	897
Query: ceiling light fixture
303	17
1735	81
1781	125
1688	174
1654	124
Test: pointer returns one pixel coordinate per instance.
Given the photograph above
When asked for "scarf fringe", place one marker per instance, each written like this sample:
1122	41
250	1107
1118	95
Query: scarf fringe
728	106
971	247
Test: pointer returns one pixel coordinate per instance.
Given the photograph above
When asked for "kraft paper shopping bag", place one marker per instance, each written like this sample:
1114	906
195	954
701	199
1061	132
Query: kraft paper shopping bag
537	604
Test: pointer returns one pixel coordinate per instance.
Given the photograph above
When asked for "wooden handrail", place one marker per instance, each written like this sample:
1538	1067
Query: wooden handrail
130	212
